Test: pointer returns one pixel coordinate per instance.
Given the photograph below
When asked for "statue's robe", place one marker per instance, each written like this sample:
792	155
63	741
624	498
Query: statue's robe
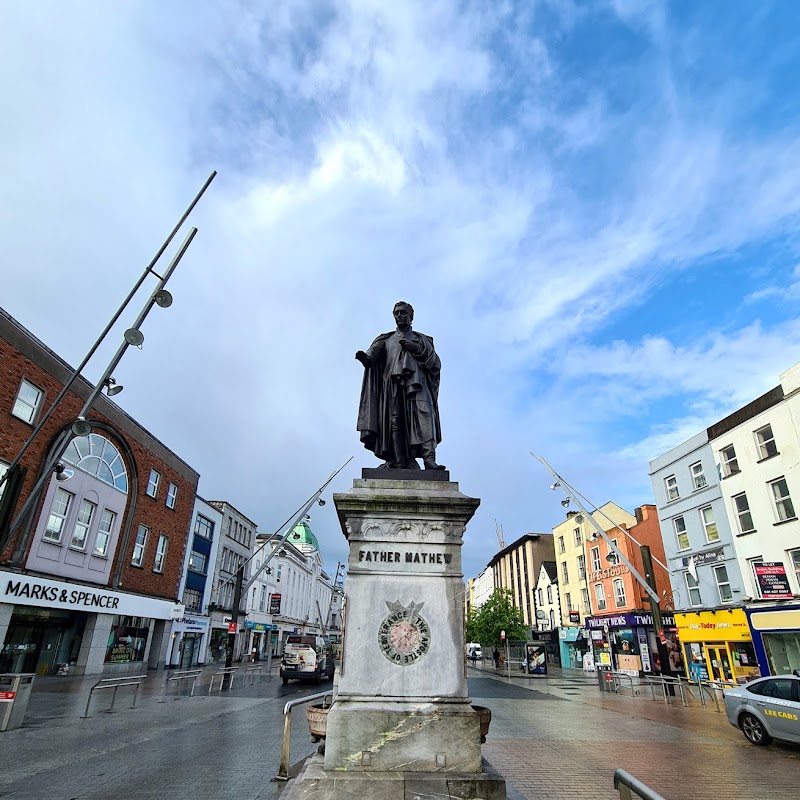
414	380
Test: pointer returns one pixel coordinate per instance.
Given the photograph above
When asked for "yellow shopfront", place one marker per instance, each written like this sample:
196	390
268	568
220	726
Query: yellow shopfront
717	644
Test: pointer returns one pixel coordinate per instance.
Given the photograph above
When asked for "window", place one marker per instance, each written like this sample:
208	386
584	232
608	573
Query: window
581	566
552	620
27	403
262	601
58	516
565	572
730	466
578	537
97	456
82	524
127	640
204	527
709	524
3	470
693	589
779	688
541	597
192	599
743	515
152	483
139	545
198	562
595	555
723	584
587	609
619	592
680	533
600	596
172	495
765	442
568	598
671	483
698	476
794	555
549	593
783	503
561	547
107	520
161	553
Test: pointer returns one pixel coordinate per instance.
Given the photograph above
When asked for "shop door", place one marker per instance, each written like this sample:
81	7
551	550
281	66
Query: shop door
720	664
188	651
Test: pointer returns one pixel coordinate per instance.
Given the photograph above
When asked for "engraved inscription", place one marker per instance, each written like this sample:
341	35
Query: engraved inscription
404	636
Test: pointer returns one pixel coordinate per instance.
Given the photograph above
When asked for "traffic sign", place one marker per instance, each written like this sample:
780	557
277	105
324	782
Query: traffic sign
502	636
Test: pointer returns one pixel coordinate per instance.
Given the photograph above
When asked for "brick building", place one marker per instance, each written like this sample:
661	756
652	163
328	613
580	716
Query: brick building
89	580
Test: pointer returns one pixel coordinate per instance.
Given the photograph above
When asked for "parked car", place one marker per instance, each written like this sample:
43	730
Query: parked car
307	658
766	709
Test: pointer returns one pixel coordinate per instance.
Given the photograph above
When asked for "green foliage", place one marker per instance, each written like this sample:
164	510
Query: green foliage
498	613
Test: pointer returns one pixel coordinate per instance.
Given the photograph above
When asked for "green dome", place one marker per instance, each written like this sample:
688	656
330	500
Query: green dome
302	535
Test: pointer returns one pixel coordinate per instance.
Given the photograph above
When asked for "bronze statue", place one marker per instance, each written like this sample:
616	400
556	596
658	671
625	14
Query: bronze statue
398	415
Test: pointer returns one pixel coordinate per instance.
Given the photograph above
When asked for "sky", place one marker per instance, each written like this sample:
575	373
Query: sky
592	206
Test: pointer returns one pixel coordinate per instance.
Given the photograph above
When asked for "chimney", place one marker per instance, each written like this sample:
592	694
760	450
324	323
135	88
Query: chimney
639	514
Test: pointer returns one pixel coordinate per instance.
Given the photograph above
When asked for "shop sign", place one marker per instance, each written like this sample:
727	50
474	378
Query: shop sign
773	581
629	620
574	616
7	697
709	557
28	590
258	627
597	636
189	625
724	624
275	604
232	626
611	572
776	619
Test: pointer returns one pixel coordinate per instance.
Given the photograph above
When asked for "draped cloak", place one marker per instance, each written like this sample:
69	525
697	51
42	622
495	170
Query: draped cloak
394	372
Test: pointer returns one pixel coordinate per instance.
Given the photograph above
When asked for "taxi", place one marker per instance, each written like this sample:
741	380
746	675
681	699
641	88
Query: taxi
766	709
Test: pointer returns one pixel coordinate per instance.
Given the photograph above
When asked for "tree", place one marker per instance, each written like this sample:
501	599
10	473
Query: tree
497	614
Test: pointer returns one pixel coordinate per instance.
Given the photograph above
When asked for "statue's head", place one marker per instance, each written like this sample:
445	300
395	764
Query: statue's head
403	313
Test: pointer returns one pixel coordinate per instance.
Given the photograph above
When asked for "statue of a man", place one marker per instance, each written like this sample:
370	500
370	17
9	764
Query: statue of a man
398	415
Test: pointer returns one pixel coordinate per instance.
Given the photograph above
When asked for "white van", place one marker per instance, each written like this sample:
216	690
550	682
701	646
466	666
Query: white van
307	658
474	647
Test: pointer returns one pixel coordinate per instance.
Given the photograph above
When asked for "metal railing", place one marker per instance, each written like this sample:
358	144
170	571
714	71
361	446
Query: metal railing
283	768
179	678
668	685
250	675
114	683
628	786
222	674
620	678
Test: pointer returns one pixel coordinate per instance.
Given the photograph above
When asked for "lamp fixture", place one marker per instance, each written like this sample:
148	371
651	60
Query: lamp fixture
62	473
594	537
554	486
579	519
134	336
163	298
565	502
320	502
112	387
612	558
81	427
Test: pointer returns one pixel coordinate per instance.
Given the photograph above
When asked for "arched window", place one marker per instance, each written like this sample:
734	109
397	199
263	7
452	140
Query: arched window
96	455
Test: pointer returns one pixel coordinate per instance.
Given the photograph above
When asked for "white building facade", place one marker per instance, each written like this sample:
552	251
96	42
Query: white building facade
548	600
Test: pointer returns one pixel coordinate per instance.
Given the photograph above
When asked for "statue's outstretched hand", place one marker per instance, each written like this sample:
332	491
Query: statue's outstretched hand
410	346
364	358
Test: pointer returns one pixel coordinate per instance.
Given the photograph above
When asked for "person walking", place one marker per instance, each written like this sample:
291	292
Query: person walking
496	657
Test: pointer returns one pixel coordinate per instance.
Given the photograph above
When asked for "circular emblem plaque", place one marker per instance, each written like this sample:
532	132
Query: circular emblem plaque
404	636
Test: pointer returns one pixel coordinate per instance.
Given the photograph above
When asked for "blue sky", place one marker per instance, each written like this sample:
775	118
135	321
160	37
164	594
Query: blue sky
592	206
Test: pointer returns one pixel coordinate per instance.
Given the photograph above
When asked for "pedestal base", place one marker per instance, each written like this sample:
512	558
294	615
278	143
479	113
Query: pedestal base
316	783
365	736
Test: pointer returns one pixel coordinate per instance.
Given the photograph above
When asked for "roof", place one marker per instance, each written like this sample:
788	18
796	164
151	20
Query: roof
302	534
550	567
528	537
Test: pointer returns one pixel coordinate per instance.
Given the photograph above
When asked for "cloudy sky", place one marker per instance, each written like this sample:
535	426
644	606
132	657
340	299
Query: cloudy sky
593	207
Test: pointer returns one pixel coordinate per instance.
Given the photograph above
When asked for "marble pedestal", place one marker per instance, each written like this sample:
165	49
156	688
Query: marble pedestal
402	713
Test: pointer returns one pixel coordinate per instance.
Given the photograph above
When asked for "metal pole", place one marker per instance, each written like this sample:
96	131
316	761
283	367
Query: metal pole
508	658
237	598
658	624
77	371
58	451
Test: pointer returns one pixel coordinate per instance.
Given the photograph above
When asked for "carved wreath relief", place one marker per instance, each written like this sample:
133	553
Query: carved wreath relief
404	636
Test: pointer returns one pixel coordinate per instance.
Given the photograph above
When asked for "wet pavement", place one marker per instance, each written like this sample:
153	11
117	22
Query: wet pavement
554	737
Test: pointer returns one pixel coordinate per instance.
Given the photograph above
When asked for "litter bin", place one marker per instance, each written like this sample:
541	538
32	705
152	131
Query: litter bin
605	680
15	691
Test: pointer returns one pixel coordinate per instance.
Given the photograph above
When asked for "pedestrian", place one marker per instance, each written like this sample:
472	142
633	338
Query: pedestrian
473	656
496	657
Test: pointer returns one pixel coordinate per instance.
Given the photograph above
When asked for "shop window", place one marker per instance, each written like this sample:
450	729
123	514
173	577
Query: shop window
82	524
58	516
140	545
172	495
204	527
619	593
192	599
693	589
97	456
595	556
161	553
781	500
723	584
27	402
730	464
600	596
765	442
127	640
104	533
698	476
152	483
743	515
709	524
679	523
671	484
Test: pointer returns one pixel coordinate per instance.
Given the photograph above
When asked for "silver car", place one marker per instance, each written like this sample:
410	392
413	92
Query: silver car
766	709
